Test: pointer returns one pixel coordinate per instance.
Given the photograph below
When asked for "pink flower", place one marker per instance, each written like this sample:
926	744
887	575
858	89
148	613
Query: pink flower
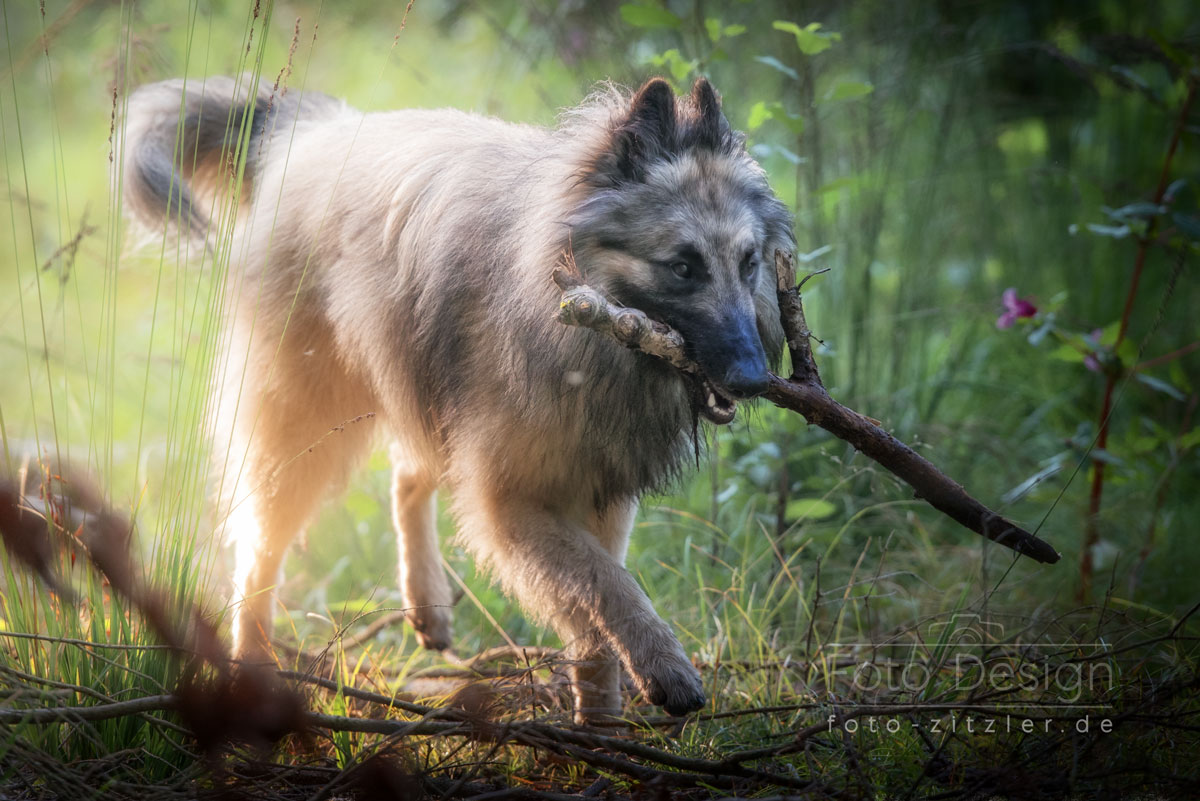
1014	308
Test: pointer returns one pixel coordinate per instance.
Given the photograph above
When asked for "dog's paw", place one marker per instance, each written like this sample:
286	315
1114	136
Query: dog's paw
675	685
433	627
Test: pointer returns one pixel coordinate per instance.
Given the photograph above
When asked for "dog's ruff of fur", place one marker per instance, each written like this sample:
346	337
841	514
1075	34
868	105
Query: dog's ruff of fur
399	264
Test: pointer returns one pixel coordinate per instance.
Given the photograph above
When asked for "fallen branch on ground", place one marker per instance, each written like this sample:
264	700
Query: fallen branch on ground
803	393
640	761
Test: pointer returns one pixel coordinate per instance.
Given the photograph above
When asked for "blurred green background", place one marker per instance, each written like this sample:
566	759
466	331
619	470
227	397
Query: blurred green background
935	154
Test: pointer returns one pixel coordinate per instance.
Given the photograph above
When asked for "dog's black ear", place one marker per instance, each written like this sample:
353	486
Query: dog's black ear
711	130
648	132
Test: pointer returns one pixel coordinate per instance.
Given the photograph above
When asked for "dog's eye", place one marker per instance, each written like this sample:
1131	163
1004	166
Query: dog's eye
749	266
681	269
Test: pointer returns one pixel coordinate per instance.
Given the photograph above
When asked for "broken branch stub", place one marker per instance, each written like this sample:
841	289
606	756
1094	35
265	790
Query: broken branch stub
803	393
585	307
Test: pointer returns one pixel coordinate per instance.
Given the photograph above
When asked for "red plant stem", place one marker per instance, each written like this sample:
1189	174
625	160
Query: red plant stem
1166	357
1092	530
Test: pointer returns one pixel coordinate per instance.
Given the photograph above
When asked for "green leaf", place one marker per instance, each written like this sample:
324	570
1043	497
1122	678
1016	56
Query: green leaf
776	64
787	27
1161	386
1066	353
648	16
837	184
764	151
1189	440
847	90
805	258
1108	333
673	61
716	31
1101	455
1131	76
681	69
809	509
1026	486
760	112
794	159
1141	209
713	26
1038	334
1115	231
809	38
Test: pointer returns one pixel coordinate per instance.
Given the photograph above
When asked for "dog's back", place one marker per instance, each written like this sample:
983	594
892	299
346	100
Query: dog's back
412	250
398	265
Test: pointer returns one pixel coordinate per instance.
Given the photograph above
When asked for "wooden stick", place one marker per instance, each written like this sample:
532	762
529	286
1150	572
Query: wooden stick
803	393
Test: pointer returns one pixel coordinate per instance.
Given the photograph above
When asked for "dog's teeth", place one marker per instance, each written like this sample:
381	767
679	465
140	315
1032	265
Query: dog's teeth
712	401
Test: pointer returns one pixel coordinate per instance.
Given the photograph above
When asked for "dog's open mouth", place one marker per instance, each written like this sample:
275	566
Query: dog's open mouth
715	405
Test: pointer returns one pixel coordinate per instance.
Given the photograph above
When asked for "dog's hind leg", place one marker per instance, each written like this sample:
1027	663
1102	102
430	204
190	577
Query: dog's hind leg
593	667
422	580
293	443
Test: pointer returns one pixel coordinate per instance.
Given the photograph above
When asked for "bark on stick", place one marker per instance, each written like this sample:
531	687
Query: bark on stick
803	393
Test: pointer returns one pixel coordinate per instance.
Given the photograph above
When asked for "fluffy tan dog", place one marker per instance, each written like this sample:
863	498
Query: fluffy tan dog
399	264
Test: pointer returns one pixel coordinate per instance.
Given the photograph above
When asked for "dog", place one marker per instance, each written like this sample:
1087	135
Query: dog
398	264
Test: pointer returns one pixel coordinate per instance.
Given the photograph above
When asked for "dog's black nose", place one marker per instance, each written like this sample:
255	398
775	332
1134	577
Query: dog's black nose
746	379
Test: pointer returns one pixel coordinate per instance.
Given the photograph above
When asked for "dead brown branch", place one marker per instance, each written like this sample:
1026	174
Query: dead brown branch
803	393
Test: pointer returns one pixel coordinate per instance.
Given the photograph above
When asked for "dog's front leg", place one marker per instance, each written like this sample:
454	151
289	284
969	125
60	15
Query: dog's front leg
562	574
422	579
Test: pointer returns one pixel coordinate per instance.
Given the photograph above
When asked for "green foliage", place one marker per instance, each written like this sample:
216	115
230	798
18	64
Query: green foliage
779	66
649	16
717	31
810	39
760	112
847	90
675	63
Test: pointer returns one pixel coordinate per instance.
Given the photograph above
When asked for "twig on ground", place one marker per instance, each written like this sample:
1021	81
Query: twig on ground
803	393
71	714
400	701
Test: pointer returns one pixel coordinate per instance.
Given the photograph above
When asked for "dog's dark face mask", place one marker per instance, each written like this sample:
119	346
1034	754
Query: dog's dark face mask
683	226
711	302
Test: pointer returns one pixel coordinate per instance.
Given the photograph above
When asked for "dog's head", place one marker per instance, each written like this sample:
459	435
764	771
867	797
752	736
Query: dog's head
681	223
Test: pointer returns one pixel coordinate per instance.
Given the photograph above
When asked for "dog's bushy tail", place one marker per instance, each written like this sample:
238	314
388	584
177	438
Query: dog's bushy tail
186	144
